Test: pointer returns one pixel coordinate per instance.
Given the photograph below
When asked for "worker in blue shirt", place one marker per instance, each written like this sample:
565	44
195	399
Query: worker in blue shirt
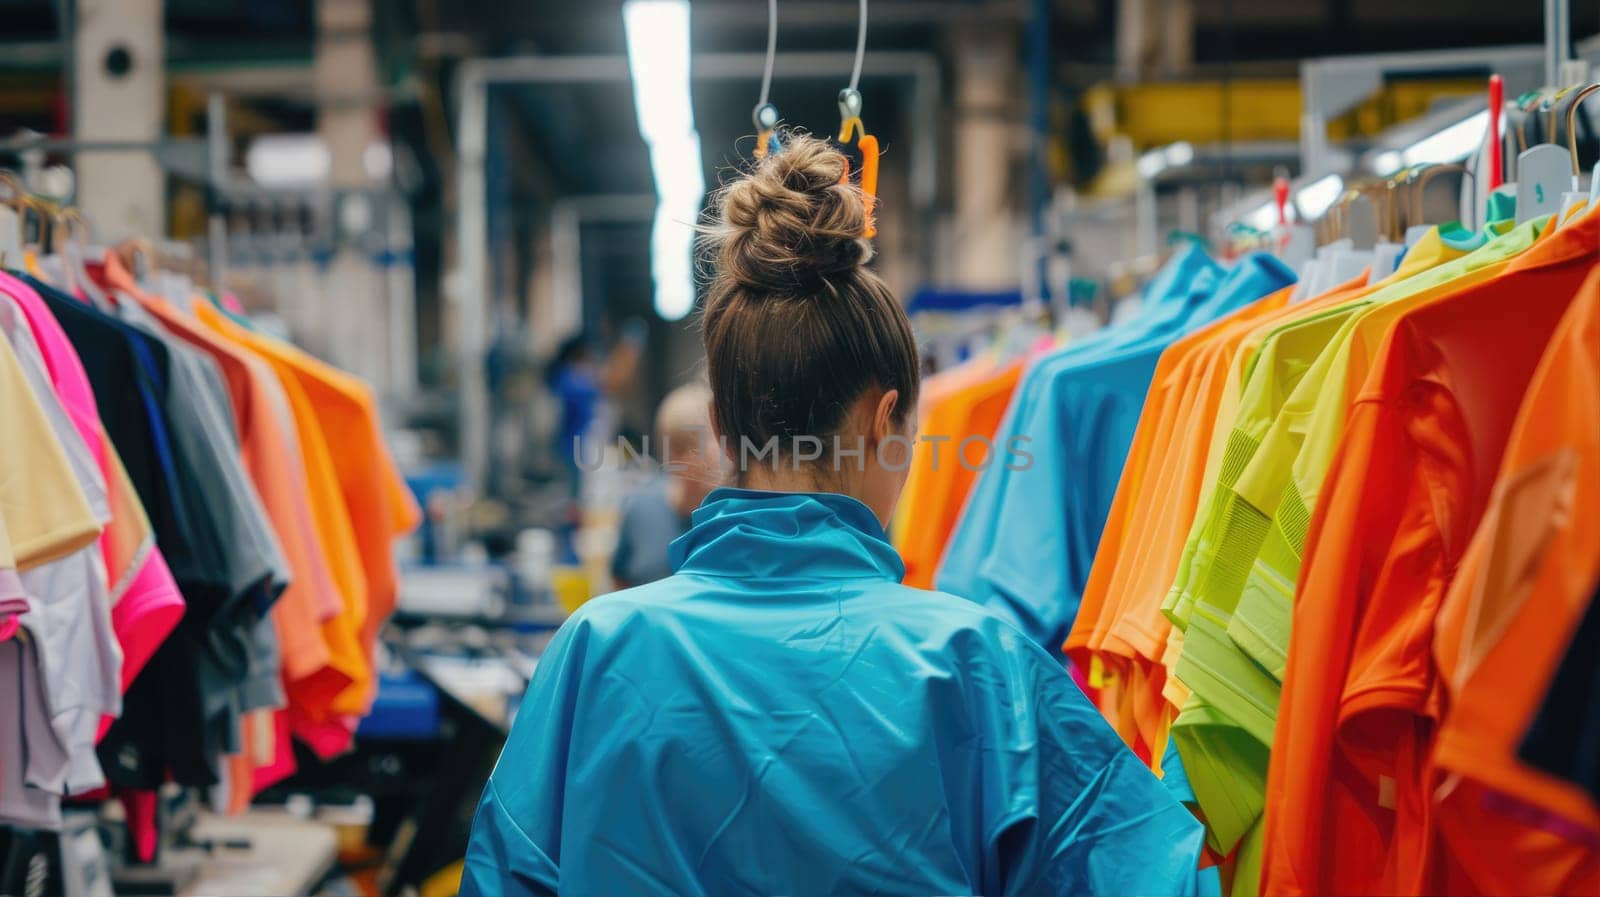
780	715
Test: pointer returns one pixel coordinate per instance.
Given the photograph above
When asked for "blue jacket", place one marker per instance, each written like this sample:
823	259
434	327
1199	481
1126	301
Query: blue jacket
781	716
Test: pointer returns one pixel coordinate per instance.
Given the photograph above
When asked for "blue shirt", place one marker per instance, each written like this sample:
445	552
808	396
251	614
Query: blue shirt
1027	538
782	716
579	393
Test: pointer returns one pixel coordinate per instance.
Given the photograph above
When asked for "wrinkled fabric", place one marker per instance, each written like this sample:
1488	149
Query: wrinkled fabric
781	716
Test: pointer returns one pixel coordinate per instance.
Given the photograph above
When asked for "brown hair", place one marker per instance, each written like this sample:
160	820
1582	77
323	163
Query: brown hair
796	326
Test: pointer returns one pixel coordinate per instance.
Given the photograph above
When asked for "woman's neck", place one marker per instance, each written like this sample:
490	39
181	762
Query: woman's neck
783	477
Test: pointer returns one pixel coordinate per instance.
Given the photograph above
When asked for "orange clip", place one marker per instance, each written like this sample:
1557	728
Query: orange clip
868	145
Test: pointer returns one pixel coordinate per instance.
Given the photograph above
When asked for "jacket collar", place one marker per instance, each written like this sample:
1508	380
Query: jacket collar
750	534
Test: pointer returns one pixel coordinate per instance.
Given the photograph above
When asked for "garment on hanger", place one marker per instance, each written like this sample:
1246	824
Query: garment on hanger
1564	739
1523	585
1379	557
50	519
959	568
1081	427
967	406
146	600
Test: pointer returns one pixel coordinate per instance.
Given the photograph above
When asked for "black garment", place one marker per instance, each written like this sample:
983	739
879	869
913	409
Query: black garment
165	728
1564	739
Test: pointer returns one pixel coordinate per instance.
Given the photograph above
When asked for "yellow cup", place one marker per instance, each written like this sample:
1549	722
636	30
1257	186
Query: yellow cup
571	586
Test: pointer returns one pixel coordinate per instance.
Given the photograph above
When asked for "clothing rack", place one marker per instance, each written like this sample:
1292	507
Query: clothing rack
203	160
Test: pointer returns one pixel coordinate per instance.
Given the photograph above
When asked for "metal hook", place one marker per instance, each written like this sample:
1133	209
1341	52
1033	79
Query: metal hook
1548	107
765	115
24	202
1526	104
1429	173
1572	125
849	113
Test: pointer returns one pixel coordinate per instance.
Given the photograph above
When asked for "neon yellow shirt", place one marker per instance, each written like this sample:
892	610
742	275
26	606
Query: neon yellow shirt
1285	478
1226	723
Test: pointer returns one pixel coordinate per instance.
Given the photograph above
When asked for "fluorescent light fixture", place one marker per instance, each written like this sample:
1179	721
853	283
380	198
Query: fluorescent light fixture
658	59
1451	144
1151	164
1314	198
288	160
303	160
1388	162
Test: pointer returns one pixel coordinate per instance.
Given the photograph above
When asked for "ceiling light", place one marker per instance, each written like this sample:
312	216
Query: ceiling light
1314	198
1451	144
658	60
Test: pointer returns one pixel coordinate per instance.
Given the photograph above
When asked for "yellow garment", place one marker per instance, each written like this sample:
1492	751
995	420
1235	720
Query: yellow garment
45	511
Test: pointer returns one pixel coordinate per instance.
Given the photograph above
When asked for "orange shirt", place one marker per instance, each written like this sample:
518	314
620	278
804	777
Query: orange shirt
334	530
1183	398
974	413
918	545
1521	589
377	503
312	674
1406	488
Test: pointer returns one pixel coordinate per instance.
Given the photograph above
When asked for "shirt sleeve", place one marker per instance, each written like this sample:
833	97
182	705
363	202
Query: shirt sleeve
502	861
1082	814
515	845
45	509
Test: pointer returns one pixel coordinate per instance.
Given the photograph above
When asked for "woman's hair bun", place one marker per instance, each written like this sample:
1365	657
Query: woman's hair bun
792	223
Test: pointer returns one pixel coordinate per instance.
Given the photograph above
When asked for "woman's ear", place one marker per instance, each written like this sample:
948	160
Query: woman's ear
883	425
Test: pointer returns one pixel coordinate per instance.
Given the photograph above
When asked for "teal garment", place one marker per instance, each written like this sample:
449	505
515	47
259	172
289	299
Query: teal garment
1043	524
782	716
1173	287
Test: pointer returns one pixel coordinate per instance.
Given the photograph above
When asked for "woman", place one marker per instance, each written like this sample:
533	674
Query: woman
781	716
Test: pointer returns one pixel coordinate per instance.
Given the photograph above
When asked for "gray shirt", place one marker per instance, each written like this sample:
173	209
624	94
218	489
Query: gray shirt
204	422
649	524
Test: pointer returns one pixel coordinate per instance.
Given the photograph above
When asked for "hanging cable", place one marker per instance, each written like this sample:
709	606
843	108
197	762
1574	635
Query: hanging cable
861	47
765	115
772	51
850	126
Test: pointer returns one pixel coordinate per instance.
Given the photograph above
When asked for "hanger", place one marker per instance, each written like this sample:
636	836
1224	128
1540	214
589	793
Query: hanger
1575	195
11	222
1542	169
23	202
850	126
74	254
766	115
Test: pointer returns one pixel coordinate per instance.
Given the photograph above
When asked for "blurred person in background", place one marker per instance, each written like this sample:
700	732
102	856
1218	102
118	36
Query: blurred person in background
658	511
581	381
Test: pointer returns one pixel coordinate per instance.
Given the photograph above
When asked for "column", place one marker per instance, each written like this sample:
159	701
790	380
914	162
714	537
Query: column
119	94
346	80
987	90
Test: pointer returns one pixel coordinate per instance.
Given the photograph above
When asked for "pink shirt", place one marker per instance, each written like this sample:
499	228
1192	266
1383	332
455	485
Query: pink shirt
149	605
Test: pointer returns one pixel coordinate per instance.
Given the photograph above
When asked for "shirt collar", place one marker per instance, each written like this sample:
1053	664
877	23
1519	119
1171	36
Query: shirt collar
751	534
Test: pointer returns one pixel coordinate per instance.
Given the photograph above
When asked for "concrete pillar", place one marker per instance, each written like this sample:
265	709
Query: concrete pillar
986	140
1134	27
119	94
1177	38
346	80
